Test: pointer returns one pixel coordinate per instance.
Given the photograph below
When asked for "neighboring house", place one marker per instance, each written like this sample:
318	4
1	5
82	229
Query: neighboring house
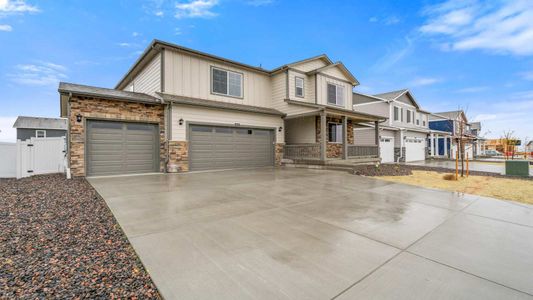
404	136
179	109
529	147
38	127
502	145
456	125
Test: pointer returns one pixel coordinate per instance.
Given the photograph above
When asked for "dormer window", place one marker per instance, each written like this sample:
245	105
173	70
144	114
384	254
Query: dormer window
226	83
299	86
335	94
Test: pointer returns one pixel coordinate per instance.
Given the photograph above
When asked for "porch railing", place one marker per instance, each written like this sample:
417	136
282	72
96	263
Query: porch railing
362	151
301	151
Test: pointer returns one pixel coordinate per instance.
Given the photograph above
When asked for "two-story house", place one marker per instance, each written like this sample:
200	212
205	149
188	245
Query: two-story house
455	129
403	137
178	109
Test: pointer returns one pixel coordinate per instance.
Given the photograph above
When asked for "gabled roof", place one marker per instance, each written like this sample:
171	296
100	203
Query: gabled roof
40	123
323	57
394	95
218	104
452	115
92	91
341	67
364	99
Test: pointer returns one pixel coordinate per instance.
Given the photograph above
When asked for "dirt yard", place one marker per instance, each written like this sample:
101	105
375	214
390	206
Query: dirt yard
496	187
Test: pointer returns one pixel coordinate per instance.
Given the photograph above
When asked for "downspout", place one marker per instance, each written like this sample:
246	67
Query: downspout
69	175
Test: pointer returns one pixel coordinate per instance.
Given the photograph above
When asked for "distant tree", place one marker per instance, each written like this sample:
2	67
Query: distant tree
509	142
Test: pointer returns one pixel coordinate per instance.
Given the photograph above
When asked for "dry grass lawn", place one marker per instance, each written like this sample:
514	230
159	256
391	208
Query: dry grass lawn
501	188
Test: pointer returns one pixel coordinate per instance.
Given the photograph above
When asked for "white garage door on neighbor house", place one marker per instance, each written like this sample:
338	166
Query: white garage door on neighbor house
415	149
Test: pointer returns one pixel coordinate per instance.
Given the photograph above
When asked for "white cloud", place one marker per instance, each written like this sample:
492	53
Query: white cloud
5	27
391	20
8	7
39	74
124	44
373	19
422	81
177	31
159	13
473	89
396	53
527	75
135	34
7	132
504	27
196	9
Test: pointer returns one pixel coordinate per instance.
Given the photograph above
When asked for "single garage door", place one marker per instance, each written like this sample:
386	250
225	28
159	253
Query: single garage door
415	149
122	148
213	147
386	148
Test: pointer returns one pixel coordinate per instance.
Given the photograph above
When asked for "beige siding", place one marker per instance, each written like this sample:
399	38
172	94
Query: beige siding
364	136
190	76
279	94
300	130
309	86
336	72
322	82
148	81
217	116
310	65
374	108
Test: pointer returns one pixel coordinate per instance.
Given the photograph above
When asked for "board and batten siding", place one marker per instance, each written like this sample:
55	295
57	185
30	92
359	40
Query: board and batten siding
309	87
309	65
364	136
321	89
279	94
190	76
202	115
335	72
378	108
148	81
301	130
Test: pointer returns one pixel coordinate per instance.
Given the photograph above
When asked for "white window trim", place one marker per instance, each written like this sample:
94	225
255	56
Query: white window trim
393	113
342	129
227	83
337	86
37	133
296	78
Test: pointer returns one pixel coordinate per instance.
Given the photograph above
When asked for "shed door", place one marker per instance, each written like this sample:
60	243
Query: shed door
121	148
387	149
214	147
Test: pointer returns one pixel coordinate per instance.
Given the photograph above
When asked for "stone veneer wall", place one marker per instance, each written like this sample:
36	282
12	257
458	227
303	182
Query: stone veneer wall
178	159
397	154
105	109
334	150
278	151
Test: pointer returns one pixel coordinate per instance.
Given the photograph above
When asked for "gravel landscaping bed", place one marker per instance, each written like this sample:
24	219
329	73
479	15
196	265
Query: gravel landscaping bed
60	240
403	170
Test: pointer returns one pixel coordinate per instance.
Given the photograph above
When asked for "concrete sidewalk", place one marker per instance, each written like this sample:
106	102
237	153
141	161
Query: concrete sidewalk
491	167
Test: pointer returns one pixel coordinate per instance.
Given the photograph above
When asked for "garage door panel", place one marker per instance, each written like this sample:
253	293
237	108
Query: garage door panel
121	148
227	148
415	149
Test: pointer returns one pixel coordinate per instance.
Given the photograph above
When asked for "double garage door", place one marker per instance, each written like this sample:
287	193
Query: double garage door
217	147
121	148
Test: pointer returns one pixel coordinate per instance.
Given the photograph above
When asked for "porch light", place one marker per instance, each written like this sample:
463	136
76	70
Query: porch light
280	129
78	118
180	121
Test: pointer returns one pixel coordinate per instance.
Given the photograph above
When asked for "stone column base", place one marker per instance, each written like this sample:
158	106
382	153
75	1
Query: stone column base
178	161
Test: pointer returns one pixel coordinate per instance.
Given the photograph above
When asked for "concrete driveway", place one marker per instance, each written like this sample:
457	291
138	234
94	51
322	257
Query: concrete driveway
311	234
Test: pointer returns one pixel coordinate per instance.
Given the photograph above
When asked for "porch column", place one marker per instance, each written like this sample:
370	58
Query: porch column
445	146
344	137
431	144
437	145
376	137
323	136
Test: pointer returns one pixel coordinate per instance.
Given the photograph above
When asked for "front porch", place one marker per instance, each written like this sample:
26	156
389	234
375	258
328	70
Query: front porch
326	137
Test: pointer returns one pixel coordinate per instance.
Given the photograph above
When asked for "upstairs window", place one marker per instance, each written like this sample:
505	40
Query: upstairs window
335	94
396	113
226	82
334	133
299	86
408	116
401	115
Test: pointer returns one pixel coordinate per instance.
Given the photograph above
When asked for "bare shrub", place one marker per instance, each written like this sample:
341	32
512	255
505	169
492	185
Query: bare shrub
448	177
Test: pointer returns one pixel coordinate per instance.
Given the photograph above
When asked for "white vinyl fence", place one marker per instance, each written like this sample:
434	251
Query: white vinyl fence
32	157
8	160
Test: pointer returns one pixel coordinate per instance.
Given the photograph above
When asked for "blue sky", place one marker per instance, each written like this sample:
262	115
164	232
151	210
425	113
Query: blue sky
469	54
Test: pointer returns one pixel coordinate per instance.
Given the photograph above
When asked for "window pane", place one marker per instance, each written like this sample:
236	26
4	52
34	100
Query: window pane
340	95
220	81
299	91
339	133
235	80
396	114
332	93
